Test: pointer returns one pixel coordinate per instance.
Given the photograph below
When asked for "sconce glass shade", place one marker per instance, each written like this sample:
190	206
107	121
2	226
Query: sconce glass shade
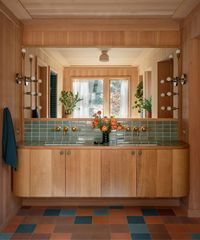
104	57
162	81
163	108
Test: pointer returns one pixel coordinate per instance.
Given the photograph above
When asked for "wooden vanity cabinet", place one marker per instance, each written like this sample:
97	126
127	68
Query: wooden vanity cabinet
162	173
118	173
21	177
83	173
41	173
147	173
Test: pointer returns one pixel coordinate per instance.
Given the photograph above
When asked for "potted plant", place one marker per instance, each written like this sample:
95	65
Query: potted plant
147	105
69	101
139	97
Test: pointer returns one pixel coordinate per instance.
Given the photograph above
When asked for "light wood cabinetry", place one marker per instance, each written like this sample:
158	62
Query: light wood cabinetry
83	173
162	173
180	172
146	173
41	173
21	177
58	173
118	173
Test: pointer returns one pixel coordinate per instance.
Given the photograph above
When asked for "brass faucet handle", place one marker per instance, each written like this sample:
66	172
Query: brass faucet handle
74	129
66	129
58	128
135	129
128	129
143	129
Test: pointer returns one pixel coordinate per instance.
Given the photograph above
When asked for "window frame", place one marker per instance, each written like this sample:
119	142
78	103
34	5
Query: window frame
106	90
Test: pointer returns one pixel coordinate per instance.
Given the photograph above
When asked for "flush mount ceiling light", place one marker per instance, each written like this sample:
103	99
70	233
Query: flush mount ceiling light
104	57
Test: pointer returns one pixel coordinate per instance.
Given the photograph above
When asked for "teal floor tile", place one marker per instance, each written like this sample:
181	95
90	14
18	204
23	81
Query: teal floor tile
150	212
51	212
67	212
5	236
139	236
83	220
25	228
138	228
195	236
135	219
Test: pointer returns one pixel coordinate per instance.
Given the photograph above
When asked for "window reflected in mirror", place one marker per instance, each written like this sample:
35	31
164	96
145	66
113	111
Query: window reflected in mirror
119	98
91	91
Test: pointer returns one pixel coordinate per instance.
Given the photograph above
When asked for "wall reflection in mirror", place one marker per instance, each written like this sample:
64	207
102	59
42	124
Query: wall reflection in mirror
73	82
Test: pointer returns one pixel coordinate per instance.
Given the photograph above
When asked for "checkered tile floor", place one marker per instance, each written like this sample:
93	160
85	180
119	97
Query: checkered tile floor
101	223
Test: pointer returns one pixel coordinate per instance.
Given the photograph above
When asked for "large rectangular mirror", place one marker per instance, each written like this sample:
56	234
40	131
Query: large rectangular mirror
125	82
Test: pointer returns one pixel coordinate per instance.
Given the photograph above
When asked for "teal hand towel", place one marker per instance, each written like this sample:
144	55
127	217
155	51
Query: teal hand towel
9	145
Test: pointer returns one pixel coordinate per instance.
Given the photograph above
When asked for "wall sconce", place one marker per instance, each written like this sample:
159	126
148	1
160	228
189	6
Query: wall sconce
21	78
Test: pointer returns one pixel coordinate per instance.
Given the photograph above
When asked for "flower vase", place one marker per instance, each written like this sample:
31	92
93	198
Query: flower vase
105	138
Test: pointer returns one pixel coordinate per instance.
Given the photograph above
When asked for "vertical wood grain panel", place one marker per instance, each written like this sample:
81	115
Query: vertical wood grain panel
83	173
41	173
146	173
164	173
118	173
10	96
21	177
58	173
180	172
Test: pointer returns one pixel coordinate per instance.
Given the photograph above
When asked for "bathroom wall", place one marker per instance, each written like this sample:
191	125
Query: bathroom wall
10	96
191	111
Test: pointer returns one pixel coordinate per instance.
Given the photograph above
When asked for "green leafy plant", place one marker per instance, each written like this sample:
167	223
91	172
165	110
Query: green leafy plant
69	101
138	104
147	104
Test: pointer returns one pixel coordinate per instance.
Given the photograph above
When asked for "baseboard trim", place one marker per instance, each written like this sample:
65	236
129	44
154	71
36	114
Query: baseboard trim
99	202
193	213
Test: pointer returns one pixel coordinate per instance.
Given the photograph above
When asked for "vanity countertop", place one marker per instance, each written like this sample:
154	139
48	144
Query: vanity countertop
146	145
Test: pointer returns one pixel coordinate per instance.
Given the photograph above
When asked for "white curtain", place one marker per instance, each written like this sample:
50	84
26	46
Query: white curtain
124	99
82	88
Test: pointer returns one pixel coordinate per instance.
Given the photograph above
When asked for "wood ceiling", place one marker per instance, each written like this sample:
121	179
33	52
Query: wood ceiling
30	9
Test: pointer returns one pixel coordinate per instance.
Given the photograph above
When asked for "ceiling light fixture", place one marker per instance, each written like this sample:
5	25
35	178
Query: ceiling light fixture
104	57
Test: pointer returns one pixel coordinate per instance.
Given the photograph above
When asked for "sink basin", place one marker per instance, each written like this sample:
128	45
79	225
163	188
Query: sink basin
63	144
138	144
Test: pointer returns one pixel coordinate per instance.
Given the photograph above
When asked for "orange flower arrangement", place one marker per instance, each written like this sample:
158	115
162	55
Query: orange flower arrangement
106	124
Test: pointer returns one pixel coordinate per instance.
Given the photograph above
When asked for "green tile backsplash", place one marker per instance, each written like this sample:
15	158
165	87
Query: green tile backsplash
44	131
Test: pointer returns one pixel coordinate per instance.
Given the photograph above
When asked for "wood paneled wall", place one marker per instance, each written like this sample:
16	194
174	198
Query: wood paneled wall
191	106
94	32
10	96
117	71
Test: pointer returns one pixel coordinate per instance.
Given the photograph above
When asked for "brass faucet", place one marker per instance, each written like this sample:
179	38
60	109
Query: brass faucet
58	128
136	129
128	129
74	129
65	129
143	129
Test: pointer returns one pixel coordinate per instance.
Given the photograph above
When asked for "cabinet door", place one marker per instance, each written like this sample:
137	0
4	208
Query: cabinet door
154	173
83	173
146	173
58	173
180	172
118	173
41	173
21	177
164	173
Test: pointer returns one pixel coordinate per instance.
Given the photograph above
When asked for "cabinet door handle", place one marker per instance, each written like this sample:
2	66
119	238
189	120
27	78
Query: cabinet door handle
62	152
133	153
68	152
139	152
